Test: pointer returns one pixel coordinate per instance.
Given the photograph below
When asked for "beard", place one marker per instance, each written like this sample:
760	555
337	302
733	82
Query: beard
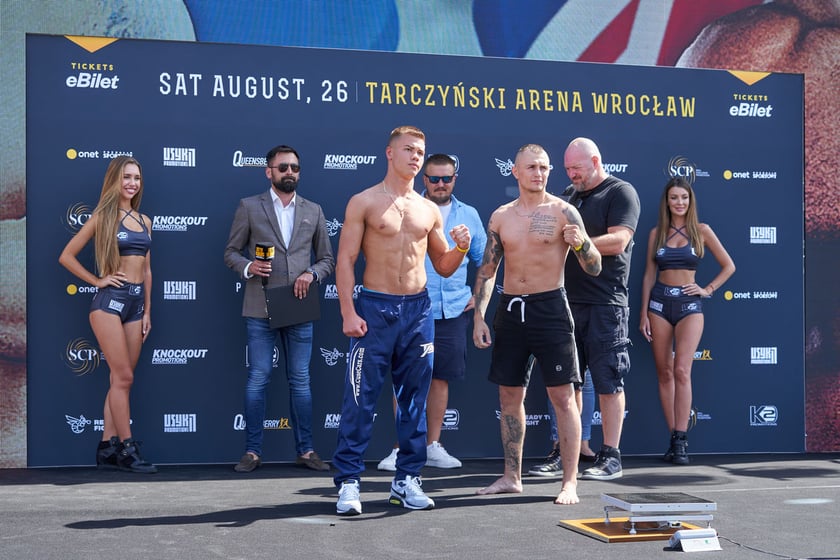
286	185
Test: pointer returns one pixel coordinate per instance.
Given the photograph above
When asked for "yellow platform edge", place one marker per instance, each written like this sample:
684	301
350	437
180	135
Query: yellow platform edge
618	529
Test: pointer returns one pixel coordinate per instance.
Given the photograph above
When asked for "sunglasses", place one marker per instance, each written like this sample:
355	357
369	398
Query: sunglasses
435	179
282	167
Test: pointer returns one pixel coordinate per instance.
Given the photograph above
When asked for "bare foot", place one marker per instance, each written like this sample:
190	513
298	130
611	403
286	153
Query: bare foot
568	495
502	486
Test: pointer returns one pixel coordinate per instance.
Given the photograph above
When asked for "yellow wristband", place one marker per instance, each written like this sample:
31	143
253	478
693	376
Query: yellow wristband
578	248
462	250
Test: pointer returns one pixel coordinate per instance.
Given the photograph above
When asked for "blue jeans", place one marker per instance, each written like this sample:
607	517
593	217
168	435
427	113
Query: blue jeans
296	346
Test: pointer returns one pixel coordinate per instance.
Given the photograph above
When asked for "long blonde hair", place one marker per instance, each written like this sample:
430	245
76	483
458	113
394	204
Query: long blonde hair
107	214
692	225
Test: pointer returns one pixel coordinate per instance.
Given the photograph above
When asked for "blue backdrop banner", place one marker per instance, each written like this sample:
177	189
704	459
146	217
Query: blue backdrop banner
200	118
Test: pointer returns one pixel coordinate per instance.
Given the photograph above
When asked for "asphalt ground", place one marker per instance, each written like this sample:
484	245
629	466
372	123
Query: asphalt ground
768	506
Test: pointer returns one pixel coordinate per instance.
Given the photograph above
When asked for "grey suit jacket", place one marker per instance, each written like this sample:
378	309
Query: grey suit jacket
256	222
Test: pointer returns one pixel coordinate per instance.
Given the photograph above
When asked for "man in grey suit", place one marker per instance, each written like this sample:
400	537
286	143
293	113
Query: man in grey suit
296	228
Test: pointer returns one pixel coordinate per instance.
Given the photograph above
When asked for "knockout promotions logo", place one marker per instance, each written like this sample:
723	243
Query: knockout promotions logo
347	161
177	356
81	356
177	223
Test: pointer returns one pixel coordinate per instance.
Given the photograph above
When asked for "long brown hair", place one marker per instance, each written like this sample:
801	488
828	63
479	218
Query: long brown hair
107	214
692	227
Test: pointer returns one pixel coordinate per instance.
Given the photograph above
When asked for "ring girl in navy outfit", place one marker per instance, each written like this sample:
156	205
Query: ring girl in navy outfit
672	298
120	311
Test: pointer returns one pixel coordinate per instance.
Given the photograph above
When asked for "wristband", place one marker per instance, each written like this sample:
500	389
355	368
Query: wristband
582	247
462	250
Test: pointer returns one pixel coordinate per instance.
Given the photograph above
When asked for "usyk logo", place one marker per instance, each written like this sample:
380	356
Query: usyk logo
77	425
333	226
505	167
428	348
81	356
331	357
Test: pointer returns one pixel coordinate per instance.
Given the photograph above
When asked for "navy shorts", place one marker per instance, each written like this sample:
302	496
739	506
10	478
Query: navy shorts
539	324
603	344
127	301
451	348
670	303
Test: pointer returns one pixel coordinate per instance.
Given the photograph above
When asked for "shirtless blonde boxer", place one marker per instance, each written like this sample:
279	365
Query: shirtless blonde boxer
390	323
534	235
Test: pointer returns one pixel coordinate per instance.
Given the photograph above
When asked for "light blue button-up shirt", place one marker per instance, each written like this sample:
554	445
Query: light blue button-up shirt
449	296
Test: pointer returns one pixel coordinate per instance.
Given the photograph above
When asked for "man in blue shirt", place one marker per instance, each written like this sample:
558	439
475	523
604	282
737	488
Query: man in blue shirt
451	299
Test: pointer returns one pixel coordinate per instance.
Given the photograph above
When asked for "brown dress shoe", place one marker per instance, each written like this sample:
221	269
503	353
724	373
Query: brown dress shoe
312	462
247	463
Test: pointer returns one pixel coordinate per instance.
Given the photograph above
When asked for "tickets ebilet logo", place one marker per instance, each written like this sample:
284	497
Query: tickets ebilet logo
85	75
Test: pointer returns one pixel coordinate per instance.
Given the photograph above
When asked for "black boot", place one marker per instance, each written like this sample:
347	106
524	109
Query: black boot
106	453
128	458
669	455
679	445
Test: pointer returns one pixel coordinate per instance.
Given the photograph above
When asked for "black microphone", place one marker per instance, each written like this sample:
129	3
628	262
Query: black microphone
264	252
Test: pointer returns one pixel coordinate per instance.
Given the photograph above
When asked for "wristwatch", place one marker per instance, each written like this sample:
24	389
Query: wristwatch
311	271
583	246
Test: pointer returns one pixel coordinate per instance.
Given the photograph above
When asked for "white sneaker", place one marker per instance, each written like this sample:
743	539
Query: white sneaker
436	456
409	494
348	499
389	463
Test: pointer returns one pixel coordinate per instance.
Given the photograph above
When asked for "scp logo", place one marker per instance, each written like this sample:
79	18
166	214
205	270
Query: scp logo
81	356
764	415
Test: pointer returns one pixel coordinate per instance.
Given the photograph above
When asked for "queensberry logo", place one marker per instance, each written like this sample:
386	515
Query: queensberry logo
347	161
764	415
179	423
179	157
763	235
241	160
179	290
764	355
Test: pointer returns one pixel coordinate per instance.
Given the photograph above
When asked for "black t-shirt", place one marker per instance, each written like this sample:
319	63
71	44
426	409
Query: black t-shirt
612	203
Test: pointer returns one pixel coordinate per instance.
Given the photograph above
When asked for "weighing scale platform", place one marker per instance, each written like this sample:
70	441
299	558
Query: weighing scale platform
667	508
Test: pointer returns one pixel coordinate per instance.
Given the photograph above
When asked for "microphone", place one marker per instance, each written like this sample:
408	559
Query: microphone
264	252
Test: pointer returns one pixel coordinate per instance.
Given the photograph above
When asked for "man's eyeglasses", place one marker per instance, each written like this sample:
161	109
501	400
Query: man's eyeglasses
282	167
435	179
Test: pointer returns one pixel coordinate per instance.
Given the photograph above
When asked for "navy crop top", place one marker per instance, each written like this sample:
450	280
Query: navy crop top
676	258
133	242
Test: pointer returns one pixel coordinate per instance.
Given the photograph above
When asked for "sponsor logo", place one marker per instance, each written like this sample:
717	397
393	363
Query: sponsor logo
530	419
92	80
763	235
331	291
357	360
596	417
505	167
179	157
81	356
613	168
73	289
331	357
76	216
696	416
428	348
333	226
729	295
177	223
77	425
764	355
764	415
680	166
179	290
703	355
746	109
239	422
275	357
451	419
177	356
241	160
174	423
347	161
72	153
729	175
277	424
331	421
